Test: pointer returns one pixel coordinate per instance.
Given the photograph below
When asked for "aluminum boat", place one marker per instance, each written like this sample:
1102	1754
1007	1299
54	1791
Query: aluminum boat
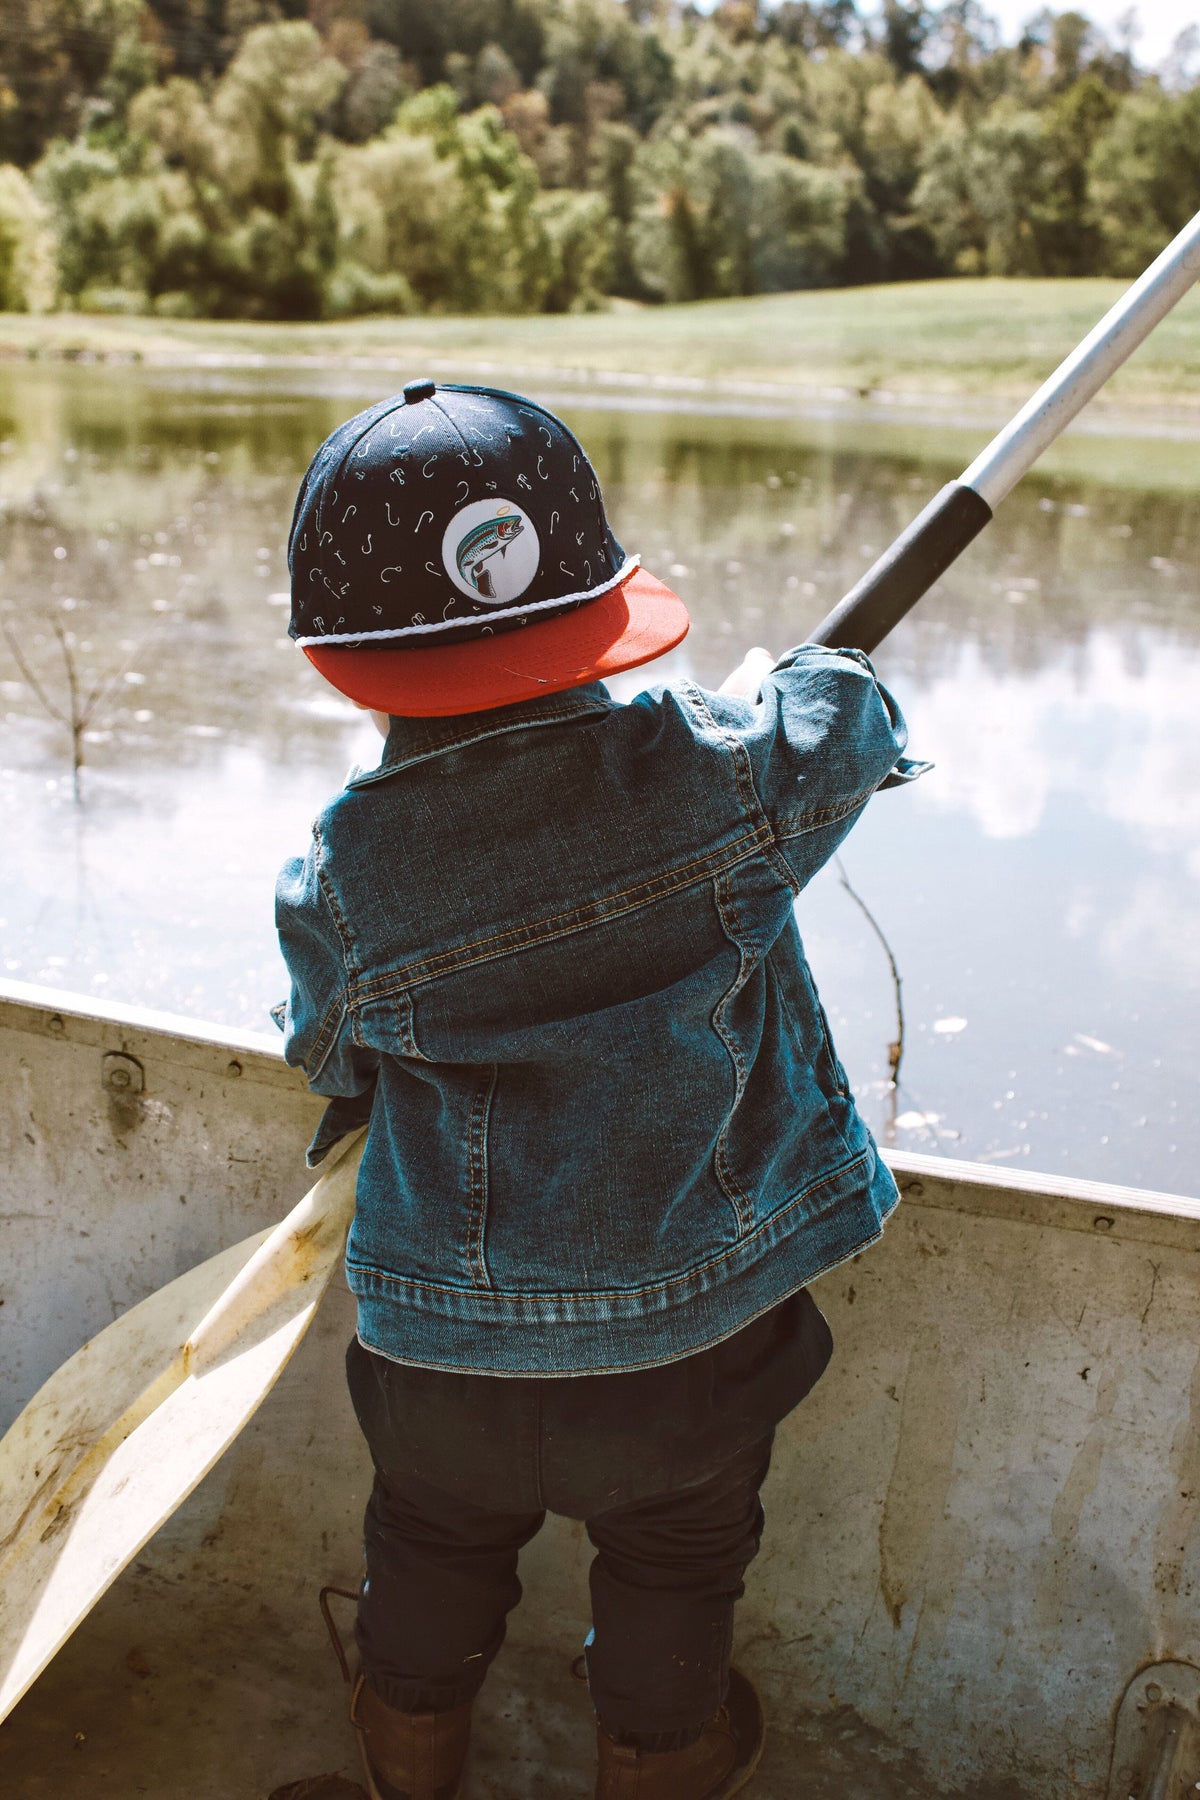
981	1571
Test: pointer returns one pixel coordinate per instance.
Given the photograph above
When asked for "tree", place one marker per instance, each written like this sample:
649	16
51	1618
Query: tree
979	190
447	201
57	56
1075	122
376	83
1144	176
716	219
799	223
613	175
900	121
268	107
27	280
906	30
811	25
964	38
575	255
230	157
691	239
223	206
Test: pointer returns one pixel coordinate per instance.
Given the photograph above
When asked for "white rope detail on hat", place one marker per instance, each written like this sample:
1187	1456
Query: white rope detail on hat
509	612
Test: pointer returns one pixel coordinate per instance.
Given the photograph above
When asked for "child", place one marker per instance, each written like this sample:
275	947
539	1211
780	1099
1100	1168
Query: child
548	948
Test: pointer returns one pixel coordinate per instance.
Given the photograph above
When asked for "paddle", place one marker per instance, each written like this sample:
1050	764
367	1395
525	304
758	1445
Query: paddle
145	1409
959	513
122	1432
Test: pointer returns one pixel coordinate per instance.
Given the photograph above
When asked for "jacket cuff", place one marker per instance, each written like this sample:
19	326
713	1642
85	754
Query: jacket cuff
340	1118
907	769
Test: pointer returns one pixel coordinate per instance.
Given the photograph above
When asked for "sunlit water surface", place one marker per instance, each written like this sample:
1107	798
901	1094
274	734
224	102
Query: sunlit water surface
1038	890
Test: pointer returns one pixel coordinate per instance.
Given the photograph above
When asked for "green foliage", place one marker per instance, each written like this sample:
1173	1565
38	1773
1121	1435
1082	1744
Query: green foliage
575	252
26	246
449	203
227	157
61	60
1145	176
267	108
218	206
979	191
717	219
799	220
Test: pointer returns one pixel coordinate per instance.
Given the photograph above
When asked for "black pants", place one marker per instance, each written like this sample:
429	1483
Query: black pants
664	1465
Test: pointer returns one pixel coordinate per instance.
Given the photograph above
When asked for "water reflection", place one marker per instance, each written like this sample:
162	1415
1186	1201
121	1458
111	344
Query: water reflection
1038	890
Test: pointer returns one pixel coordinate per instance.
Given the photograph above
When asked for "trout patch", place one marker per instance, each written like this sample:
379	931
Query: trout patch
490	551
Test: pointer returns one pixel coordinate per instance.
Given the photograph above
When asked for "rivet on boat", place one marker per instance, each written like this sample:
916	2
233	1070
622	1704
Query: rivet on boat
123	1074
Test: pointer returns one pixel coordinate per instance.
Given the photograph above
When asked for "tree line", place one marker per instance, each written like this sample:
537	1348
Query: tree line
282	160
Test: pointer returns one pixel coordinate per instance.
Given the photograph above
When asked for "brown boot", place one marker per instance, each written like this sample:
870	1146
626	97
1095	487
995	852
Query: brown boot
409	1756
718	1764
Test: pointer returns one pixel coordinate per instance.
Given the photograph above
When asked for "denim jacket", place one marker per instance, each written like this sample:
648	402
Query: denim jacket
552	949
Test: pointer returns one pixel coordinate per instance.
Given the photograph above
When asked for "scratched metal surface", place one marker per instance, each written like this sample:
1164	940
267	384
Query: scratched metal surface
983	1520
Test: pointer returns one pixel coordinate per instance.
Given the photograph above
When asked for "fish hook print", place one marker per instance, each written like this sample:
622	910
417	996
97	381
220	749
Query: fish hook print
491	551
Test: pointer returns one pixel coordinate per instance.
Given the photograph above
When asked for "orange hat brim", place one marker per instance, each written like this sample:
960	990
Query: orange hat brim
632	623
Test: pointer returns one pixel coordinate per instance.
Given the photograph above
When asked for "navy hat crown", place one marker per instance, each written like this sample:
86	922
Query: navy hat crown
446	512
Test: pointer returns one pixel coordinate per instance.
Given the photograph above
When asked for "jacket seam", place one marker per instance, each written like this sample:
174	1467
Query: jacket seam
327	1034
824	815
841	1087
576	918
749	796
743	772
329	895
340	1006
462	739
742	775
513	1296
736	1194
403	1007
481	1107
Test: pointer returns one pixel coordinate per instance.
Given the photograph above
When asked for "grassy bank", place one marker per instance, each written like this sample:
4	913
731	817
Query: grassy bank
985	340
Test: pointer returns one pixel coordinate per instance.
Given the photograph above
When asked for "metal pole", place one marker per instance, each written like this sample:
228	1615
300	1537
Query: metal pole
959	513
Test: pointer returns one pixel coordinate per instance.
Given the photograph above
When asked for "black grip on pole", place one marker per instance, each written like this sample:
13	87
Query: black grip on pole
905	571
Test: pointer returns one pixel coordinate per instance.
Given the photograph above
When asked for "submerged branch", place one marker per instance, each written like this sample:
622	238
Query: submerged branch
895	1051
83	706
78	719
36	686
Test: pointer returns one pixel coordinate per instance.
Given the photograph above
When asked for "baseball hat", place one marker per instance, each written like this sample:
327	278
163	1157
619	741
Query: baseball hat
449	552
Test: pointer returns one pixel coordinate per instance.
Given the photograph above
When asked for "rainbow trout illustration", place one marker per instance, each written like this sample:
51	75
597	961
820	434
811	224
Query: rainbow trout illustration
482	542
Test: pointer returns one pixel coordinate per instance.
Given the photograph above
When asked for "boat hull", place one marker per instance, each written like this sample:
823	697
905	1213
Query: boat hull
982	1522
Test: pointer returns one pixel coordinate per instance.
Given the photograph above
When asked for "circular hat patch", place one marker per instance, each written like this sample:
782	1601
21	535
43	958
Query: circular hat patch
491	551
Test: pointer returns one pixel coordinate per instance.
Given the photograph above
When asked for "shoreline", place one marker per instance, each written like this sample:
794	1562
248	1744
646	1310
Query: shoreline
939	353
632	390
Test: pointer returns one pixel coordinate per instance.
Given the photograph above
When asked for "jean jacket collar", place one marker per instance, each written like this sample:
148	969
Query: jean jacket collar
411	741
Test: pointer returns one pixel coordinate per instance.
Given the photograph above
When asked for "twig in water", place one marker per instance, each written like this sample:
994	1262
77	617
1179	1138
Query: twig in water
39	691
82	707
80	712
895	1050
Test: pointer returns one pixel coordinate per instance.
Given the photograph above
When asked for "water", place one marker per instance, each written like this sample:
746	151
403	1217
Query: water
1038	890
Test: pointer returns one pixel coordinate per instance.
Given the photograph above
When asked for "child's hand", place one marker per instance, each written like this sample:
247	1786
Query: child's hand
749	675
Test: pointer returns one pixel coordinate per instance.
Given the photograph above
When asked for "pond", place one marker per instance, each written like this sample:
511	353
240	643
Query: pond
1038	890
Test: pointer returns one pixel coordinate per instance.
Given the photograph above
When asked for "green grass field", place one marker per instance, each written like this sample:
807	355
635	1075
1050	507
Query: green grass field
939	341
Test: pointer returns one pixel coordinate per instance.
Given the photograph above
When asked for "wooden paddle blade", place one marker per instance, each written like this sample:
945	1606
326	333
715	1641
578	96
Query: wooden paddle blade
119	1436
